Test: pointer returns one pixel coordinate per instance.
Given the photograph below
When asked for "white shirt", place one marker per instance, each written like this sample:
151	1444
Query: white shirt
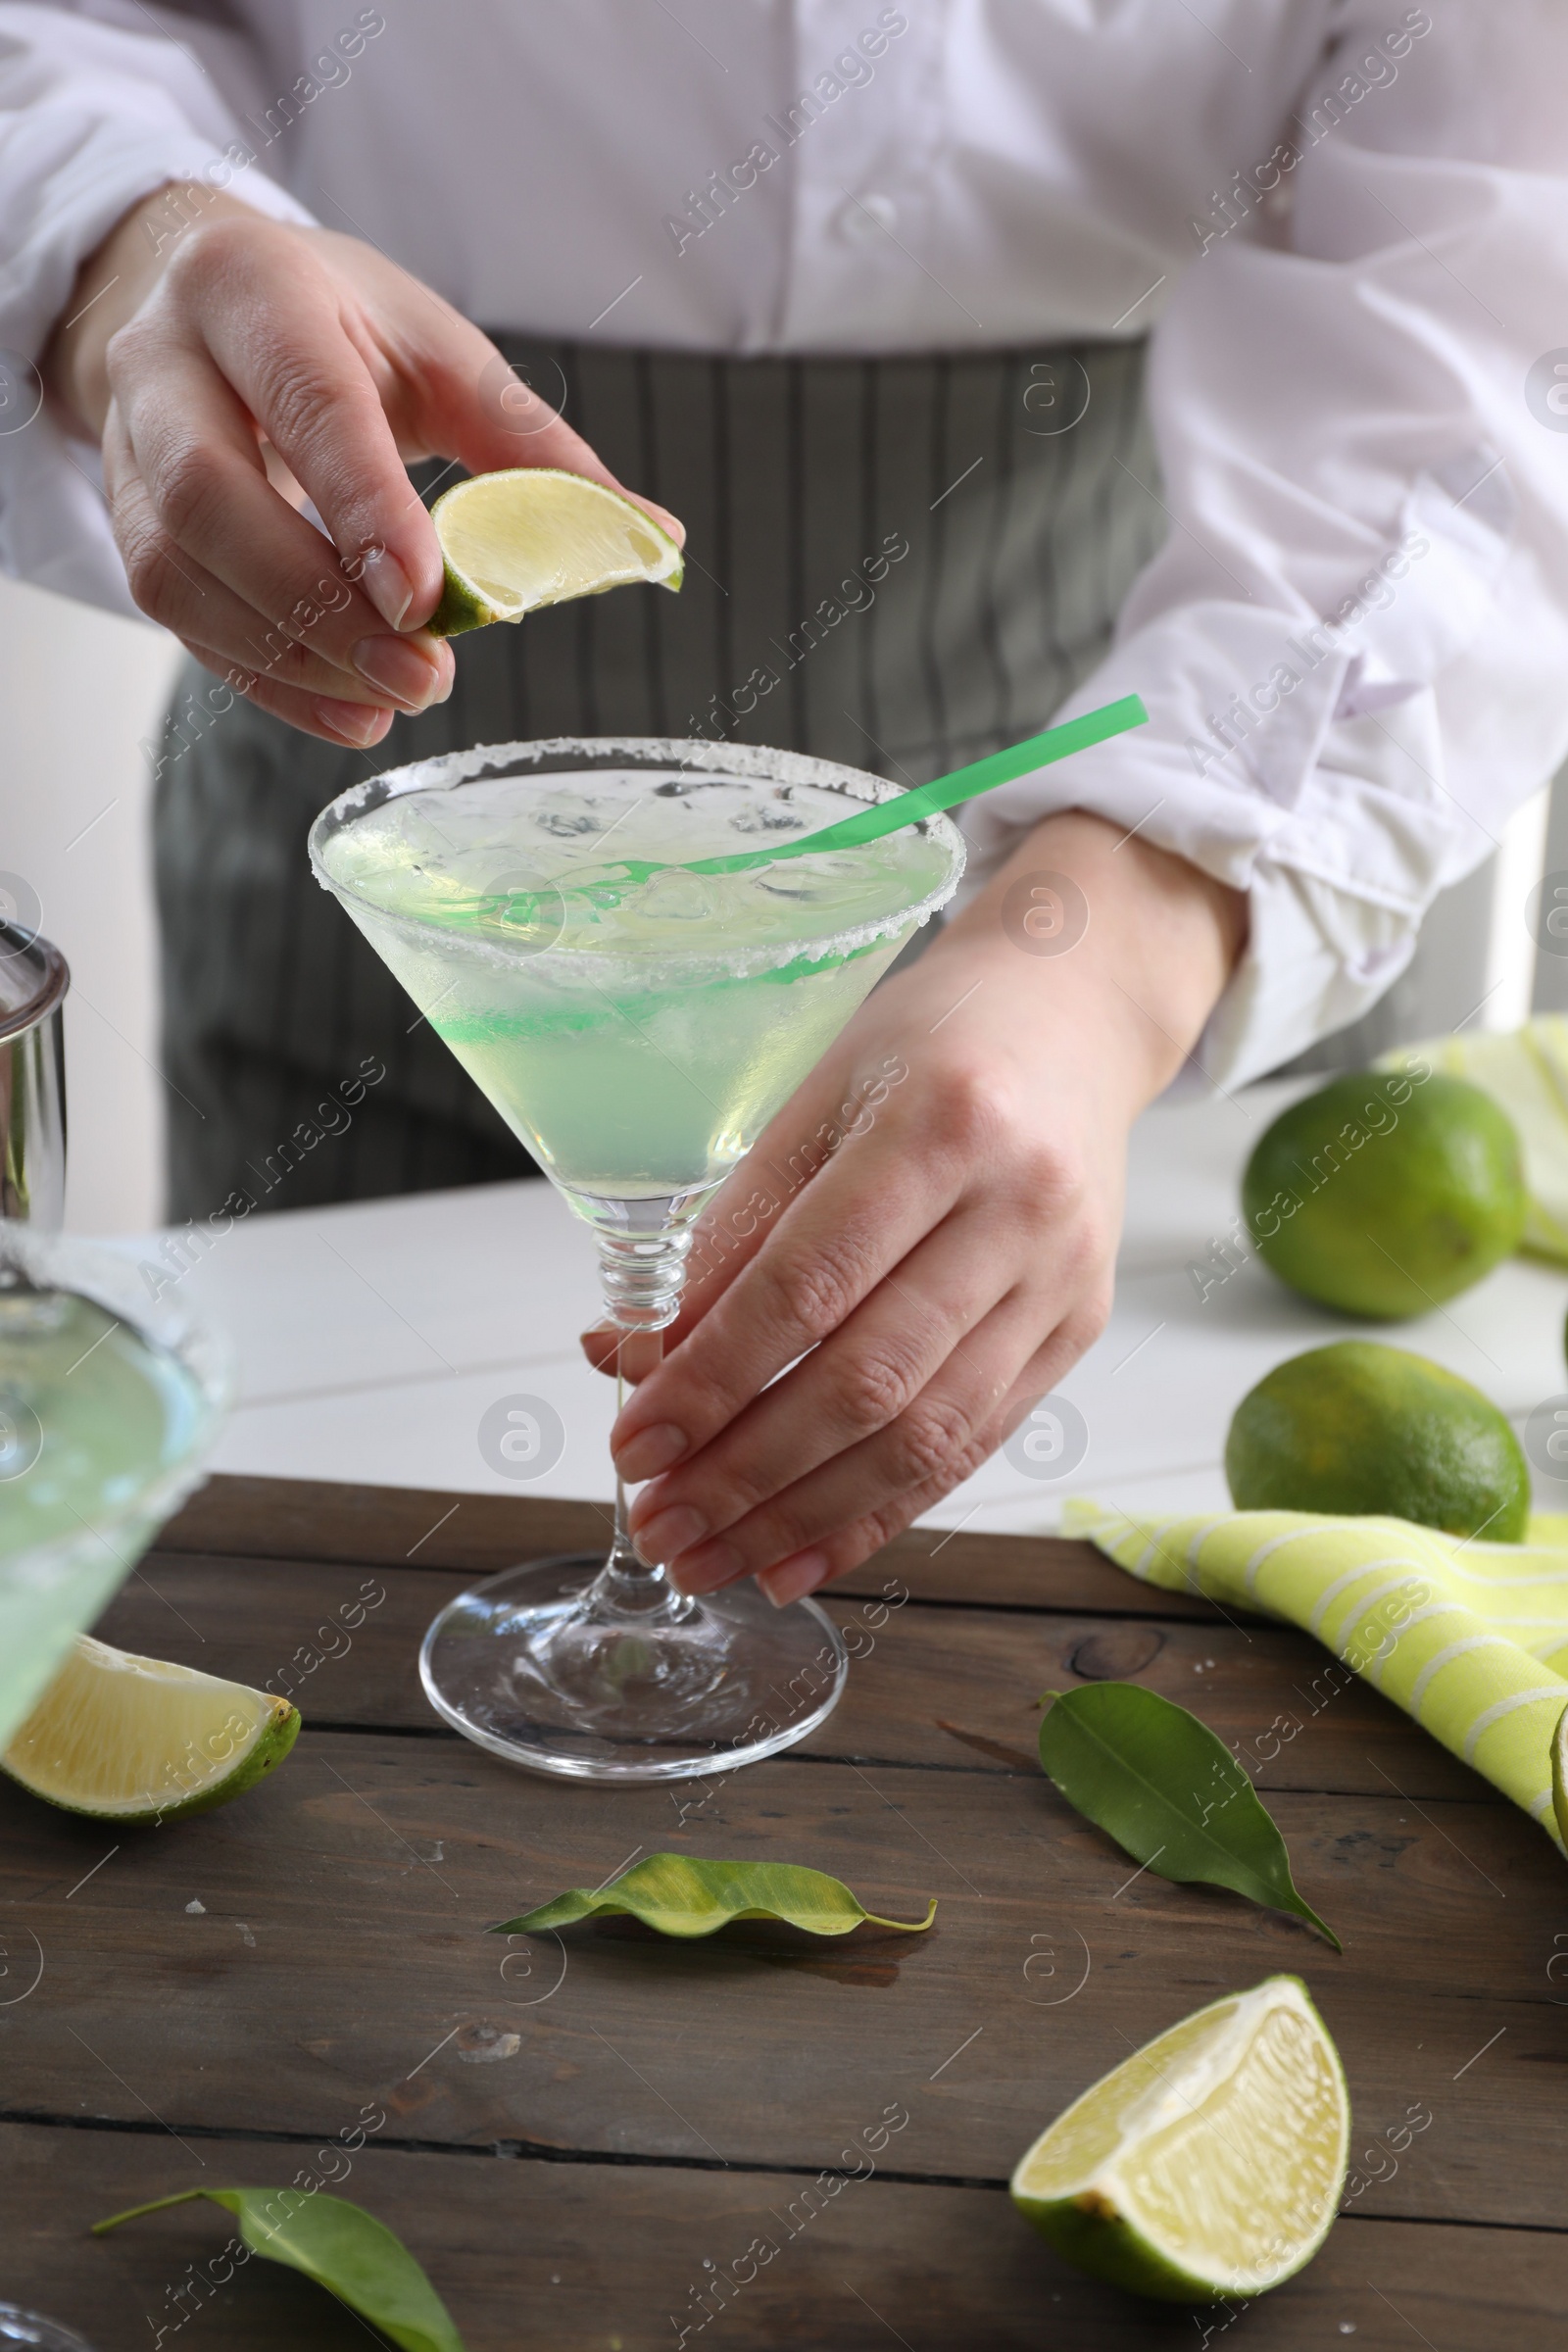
1353	376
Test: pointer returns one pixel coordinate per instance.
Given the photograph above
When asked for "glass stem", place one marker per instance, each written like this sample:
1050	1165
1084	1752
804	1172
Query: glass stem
642	1275
626	1587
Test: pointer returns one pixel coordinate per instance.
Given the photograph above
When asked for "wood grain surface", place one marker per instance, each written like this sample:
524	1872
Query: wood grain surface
583	2136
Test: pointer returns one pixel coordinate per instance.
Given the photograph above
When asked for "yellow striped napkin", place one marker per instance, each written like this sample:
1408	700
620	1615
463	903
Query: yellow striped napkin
1470	1638
1525	1072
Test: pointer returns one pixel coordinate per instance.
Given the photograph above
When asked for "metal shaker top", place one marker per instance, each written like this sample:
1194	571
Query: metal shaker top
34	978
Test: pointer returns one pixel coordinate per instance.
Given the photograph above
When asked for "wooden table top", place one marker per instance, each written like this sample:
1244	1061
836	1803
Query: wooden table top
579	2141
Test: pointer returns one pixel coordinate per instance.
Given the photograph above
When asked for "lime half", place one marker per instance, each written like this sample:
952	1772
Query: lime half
534	536
1207	2165
134	1740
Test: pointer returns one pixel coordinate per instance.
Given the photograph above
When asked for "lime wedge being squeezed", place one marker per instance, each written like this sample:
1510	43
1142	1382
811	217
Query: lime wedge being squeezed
531	536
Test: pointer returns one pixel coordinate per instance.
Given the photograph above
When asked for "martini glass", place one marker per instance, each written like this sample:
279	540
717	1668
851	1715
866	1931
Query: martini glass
636	1024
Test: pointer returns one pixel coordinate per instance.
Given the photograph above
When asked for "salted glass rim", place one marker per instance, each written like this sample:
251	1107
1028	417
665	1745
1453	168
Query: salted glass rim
445	772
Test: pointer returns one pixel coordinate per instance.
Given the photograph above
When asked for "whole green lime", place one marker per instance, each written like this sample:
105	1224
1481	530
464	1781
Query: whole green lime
1385	1193
1361	1428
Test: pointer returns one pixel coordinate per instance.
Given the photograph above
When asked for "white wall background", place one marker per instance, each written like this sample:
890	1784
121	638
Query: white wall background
80	690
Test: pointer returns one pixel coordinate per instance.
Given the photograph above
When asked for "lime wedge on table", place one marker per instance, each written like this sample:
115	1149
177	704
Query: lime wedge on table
514	541
133	1739
1207	2165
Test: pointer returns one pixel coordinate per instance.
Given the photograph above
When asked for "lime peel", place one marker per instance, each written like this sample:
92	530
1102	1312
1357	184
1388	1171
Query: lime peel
1359	1429
1382	1200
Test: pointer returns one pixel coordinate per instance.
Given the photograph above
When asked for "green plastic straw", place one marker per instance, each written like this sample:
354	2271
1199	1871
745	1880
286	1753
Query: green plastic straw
964	784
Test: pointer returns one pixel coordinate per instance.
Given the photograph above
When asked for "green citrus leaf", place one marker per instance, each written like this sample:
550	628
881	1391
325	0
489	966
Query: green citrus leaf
339	2245
1169	1792
682	1894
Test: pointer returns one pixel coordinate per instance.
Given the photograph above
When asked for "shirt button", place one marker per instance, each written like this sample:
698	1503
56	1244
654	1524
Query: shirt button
865	219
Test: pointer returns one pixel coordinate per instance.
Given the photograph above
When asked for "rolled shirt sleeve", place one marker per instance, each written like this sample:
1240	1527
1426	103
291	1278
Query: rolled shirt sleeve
1353	645
93	116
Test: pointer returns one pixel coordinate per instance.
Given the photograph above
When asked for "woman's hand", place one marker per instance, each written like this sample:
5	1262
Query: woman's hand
952	1255
233	366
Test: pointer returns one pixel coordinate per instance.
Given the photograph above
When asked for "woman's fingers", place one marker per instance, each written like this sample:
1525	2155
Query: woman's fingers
280	674
294	666
262	345
835	1105
287	334
843	1547
797	1144
360	725
850	1506
823	1136
633	1355
826	1252
866	1375
195	486
178	590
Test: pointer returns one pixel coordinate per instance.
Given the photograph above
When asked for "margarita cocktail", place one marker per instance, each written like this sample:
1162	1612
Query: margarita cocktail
637	1025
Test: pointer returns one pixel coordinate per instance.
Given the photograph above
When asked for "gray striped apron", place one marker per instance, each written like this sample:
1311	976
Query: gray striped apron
901	563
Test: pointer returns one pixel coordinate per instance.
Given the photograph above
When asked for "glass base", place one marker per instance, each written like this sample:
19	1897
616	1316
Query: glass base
564	1667
19	2326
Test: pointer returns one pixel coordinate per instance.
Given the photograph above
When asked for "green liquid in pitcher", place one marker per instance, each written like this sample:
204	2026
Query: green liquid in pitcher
93	1418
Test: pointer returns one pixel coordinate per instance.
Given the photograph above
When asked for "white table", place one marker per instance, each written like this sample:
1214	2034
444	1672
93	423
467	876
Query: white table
372	1338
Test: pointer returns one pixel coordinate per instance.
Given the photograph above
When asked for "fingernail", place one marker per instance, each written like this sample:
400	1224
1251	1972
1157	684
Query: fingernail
354	722
668	1533
388	586
792	1580
705	1570
395	666
650	1451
